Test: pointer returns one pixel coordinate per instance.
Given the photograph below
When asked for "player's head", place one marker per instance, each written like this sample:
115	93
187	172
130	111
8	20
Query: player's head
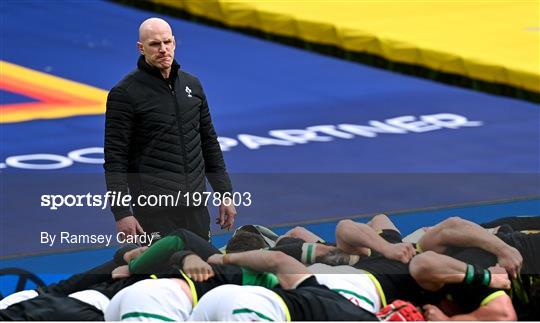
400	311
245	241
157	43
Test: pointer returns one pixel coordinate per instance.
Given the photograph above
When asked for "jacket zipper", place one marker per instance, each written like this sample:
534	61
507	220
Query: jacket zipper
180	122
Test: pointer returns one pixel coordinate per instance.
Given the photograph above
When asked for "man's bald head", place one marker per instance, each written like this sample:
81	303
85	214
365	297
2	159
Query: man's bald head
156	43
151	26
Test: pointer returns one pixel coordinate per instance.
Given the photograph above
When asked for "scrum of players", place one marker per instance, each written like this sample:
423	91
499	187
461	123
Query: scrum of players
455	270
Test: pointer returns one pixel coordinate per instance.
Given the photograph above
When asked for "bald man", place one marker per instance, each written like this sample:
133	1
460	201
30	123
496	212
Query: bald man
160	145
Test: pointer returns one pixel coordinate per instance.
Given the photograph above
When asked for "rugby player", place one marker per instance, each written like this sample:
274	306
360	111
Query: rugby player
517	252
300	296
477	292
395	278
81	297
171	296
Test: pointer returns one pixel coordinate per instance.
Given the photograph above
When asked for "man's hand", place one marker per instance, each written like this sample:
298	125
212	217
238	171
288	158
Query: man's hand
129	226
197	269
433	313
120	272
216	259
227	212
499	278
399	251
132	254
511	260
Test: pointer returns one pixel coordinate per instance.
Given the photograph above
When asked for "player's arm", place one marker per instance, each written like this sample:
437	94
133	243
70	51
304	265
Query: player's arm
358	238
157	255
289	271
432	271
302	233
498	307
462	233
306	253
381	222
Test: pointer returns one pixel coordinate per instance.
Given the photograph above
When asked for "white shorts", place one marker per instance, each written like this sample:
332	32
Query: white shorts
92	297
150	300
17	297
351	283
239	303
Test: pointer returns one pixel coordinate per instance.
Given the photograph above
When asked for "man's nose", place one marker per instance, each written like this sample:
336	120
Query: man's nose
162	48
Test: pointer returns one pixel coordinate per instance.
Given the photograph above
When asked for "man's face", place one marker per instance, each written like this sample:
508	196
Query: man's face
158	45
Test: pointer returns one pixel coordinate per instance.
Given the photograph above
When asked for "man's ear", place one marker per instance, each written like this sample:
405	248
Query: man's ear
174	42
140	47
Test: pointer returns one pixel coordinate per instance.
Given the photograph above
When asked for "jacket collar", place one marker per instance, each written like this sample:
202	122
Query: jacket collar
144	66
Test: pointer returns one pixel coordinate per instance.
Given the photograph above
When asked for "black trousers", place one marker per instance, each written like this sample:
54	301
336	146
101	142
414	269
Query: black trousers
167	219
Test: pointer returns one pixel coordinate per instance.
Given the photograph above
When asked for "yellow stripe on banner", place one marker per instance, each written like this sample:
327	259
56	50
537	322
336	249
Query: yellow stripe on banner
57	97
494	41
379	288
285	308
491	297
191	288
53	82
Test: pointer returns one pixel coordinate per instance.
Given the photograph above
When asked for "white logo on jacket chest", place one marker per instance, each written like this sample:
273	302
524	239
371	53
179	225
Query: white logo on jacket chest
188	91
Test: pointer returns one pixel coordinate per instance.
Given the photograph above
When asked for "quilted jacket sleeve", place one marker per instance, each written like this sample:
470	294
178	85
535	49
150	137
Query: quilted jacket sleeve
216	172
119	124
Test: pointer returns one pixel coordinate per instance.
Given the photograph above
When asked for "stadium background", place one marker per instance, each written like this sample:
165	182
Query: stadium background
59	58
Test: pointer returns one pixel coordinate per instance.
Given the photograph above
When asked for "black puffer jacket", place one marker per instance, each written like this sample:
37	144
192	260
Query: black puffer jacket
159	137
